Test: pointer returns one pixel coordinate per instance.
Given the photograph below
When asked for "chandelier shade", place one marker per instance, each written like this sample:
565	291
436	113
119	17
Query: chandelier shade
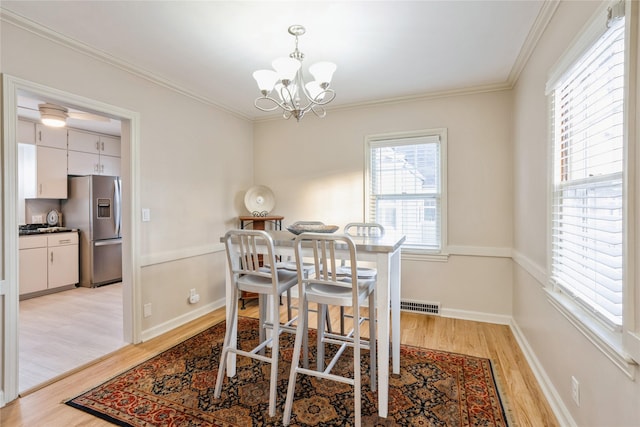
294	96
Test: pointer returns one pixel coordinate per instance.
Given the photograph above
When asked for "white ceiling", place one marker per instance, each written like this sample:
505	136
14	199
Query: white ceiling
383	49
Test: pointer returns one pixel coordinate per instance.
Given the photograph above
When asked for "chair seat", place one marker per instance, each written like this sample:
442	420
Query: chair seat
258	284
335	295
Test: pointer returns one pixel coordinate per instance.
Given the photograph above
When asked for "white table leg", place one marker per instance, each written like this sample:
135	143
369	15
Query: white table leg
382	316
395	287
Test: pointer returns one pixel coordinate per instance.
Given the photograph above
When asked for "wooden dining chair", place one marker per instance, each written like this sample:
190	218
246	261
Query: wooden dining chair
329	288
250	275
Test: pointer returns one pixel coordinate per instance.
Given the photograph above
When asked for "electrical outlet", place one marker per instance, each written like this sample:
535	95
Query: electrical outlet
147	309
575	390
193	296
37	219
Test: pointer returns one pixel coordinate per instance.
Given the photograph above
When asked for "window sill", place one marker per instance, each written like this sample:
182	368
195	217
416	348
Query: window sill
605	340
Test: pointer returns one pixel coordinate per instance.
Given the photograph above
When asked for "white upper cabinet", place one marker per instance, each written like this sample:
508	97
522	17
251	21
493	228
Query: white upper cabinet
109	146
47	136
93	154
51	173
42	163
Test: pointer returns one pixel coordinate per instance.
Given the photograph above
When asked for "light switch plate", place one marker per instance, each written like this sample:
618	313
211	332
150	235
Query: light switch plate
146	214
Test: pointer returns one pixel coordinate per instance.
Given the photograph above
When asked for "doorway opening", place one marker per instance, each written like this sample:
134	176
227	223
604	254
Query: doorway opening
119	297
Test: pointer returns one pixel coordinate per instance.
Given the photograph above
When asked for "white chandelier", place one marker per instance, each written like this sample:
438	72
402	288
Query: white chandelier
295	97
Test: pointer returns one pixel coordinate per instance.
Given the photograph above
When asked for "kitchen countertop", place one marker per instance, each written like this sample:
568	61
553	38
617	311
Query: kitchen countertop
31	230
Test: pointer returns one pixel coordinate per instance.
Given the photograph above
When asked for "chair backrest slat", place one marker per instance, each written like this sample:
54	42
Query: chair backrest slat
328	251
246	249
364	229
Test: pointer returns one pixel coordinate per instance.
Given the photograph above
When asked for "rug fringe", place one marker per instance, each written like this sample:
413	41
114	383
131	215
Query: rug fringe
504	401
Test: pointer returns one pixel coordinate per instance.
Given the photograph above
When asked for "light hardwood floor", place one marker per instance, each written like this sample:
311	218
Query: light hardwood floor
518	385
66	330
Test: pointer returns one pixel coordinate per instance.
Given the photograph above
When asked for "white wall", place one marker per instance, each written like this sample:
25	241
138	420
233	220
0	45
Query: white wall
315	168
195	161
556	348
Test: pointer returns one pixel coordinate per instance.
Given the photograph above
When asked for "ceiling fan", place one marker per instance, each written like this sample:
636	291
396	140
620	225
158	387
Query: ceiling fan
53	114
56	115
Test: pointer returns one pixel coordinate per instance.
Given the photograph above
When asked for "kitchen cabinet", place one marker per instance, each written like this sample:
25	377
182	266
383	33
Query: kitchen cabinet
47	136
62	258
32	260
93	154
42	172
42	161
51	173
48	261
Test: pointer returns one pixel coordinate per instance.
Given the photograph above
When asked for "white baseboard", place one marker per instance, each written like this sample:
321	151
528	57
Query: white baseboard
500	319
557	405
181	320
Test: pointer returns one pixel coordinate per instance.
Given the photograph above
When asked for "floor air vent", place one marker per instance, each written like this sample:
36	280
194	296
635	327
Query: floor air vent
420	307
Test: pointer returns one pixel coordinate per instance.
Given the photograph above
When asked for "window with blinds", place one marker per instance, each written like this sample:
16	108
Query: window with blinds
406	184
588	147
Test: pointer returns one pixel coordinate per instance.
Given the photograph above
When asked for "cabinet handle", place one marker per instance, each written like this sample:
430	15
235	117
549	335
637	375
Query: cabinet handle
40	135
60	242
52	257
98	145
102	145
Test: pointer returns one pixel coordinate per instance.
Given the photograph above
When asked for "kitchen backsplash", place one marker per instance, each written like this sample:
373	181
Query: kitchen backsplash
36	210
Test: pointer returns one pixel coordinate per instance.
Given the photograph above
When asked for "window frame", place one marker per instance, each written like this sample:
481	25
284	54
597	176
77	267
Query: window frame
377	140
608	340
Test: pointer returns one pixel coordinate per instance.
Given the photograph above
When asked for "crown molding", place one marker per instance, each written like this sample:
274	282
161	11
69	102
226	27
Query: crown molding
540	24
19	21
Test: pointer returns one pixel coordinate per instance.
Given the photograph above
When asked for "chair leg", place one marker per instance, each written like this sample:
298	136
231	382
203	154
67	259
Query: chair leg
305	337
356	367
262	310
341	320
329	326
289	314
275	353
301	331
233	319
320	349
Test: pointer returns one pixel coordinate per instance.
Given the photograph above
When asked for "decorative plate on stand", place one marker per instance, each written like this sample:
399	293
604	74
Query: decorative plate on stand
259	200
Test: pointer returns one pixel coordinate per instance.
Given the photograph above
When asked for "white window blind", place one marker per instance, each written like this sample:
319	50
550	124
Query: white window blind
405	188
587	211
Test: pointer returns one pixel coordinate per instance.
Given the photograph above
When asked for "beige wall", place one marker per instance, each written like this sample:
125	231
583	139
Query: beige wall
315	168
557	349
195	161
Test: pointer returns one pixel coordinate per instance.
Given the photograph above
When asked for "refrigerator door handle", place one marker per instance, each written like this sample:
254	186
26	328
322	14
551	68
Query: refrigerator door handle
118	203
107	242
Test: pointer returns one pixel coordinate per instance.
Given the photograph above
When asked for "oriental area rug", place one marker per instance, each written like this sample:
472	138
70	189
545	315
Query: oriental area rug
175	388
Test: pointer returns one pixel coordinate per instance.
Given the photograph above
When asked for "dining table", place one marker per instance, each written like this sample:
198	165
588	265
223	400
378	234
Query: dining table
384	253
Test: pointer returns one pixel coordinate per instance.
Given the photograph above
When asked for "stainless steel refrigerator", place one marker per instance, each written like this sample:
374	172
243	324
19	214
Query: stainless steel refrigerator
93	207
